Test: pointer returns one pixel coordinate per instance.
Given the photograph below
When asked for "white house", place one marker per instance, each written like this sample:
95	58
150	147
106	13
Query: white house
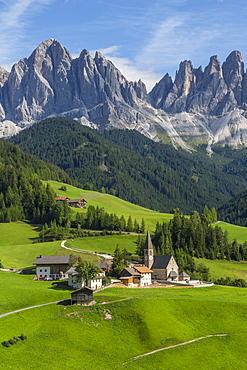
136	276
52	267
94	284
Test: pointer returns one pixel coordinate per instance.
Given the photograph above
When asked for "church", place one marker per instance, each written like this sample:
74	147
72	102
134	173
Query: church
164	268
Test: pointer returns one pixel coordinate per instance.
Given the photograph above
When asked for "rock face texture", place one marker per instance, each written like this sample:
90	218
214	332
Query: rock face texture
199	106
51	83
214	99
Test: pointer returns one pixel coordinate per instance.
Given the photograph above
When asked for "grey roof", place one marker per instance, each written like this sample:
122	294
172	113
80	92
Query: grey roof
131	271
52	260
183	274
72	271
161	262
148	242
105	264
85	288
173	273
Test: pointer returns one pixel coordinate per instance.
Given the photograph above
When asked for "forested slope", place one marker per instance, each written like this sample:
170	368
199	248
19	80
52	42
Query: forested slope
131	166
22	193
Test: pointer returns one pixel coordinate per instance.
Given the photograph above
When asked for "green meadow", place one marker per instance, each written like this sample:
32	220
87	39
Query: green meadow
112	205
104	244
18	248
234	231
223	269
133	322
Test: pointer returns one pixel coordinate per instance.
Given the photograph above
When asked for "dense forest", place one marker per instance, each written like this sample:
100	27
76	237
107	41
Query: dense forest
22	193
133	167
235	211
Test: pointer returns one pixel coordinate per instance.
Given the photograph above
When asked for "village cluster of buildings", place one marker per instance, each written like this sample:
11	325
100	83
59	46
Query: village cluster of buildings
162	269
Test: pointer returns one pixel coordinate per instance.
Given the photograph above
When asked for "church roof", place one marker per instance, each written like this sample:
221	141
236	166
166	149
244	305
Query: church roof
148	242
161	262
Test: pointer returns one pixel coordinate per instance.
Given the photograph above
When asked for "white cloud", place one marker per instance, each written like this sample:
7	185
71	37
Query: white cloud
15	16
175	39
134	73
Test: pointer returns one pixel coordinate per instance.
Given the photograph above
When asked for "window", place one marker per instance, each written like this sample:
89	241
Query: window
150	252
45	270
40	270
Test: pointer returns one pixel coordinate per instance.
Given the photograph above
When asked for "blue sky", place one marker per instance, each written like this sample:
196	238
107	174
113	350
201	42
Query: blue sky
144	38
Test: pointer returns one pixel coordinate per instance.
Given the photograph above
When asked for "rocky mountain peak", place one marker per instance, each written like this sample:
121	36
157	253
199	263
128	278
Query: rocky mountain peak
233	73
213	67
4	75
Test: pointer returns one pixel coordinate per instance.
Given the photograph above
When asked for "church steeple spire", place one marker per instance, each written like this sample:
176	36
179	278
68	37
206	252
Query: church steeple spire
148	252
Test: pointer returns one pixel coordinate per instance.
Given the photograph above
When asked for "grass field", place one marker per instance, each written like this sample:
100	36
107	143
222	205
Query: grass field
112	205
104	244
223	269
18	250
234	231
81	337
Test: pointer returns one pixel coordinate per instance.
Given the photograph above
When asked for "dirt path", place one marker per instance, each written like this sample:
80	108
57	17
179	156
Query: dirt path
27	308
106	256
175	345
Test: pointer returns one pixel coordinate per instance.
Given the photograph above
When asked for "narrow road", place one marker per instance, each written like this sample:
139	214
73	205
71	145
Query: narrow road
27	308
106	256
173	346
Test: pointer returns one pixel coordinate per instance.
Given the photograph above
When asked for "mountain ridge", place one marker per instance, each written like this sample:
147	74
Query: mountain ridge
199	107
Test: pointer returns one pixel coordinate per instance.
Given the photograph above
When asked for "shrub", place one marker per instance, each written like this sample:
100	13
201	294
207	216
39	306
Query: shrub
23	337
6	343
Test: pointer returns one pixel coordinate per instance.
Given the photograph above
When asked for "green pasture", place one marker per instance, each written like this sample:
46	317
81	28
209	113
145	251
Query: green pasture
112	205
16	233
141	320
19	291
18	250
234	231
104	244
223	269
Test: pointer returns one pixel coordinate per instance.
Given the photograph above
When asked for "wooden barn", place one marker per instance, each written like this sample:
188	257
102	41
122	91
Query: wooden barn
82	296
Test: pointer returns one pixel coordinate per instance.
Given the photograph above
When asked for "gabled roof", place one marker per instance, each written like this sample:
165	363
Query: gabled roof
77	201
105	264
161	262
131	271
183	274
142	269
52	260
173	274
85	289
62	198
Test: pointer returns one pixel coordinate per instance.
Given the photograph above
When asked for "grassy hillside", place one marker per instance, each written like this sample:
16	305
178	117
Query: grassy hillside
112	204
17	249
149	319
105	244
234	231
223	269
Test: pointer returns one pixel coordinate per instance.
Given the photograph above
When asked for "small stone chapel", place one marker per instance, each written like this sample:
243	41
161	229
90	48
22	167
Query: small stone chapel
164	268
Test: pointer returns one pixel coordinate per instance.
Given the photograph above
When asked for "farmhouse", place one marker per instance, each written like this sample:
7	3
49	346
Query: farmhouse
136	276
52	267
164	268
82	295
73	281
78	203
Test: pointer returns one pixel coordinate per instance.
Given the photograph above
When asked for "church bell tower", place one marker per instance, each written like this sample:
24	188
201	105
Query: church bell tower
148	252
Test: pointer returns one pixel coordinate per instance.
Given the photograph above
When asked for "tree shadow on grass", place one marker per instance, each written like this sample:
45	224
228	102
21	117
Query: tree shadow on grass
60	285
